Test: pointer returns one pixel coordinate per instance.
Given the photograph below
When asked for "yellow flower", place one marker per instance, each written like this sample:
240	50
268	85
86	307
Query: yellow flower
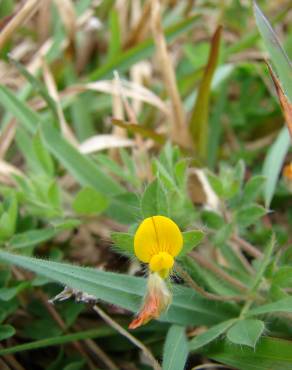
157	241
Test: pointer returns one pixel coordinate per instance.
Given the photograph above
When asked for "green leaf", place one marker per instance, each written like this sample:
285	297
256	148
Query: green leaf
283	277
54	197
277	153
283	305
8	218
37	85
6	294
81	167
212	219
175	351
246	332
278	56
253	188
154	200
77	365
114	47
6	331
125	208
223	234
21	111
273	163
270	353
209	335
200	115
191	240
41	154
250	214
101	332
125	291
216	184
32	237
90	202
124	241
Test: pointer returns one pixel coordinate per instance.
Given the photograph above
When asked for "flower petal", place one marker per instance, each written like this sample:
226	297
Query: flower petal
157	234
156	300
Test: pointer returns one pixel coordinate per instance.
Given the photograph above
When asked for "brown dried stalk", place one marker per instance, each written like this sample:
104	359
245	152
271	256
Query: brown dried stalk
127	335
214	297
25	13
178	128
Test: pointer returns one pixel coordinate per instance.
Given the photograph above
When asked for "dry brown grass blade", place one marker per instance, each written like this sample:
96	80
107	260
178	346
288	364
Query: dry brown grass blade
129	336
178	128
25	13
138	129
130	90
102	142
7	171
44	21
284	101
200	189
67	13
140	28
128	109
52	89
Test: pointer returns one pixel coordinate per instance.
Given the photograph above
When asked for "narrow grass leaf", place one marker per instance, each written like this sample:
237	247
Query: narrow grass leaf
37	85
81	167
198	124
20	110
125	291
284	101
175	351
139	129
278	56
101	332
273	164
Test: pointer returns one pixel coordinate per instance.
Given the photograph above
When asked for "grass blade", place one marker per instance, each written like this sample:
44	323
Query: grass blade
278	56
81	167
123	290
198	124
273	164
101	332
175	349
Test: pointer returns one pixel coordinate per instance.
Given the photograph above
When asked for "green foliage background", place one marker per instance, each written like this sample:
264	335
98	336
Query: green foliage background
67	218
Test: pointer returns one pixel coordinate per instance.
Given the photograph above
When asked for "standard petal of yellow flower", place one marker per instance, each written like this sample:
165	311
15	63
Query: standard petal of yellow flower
158	234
